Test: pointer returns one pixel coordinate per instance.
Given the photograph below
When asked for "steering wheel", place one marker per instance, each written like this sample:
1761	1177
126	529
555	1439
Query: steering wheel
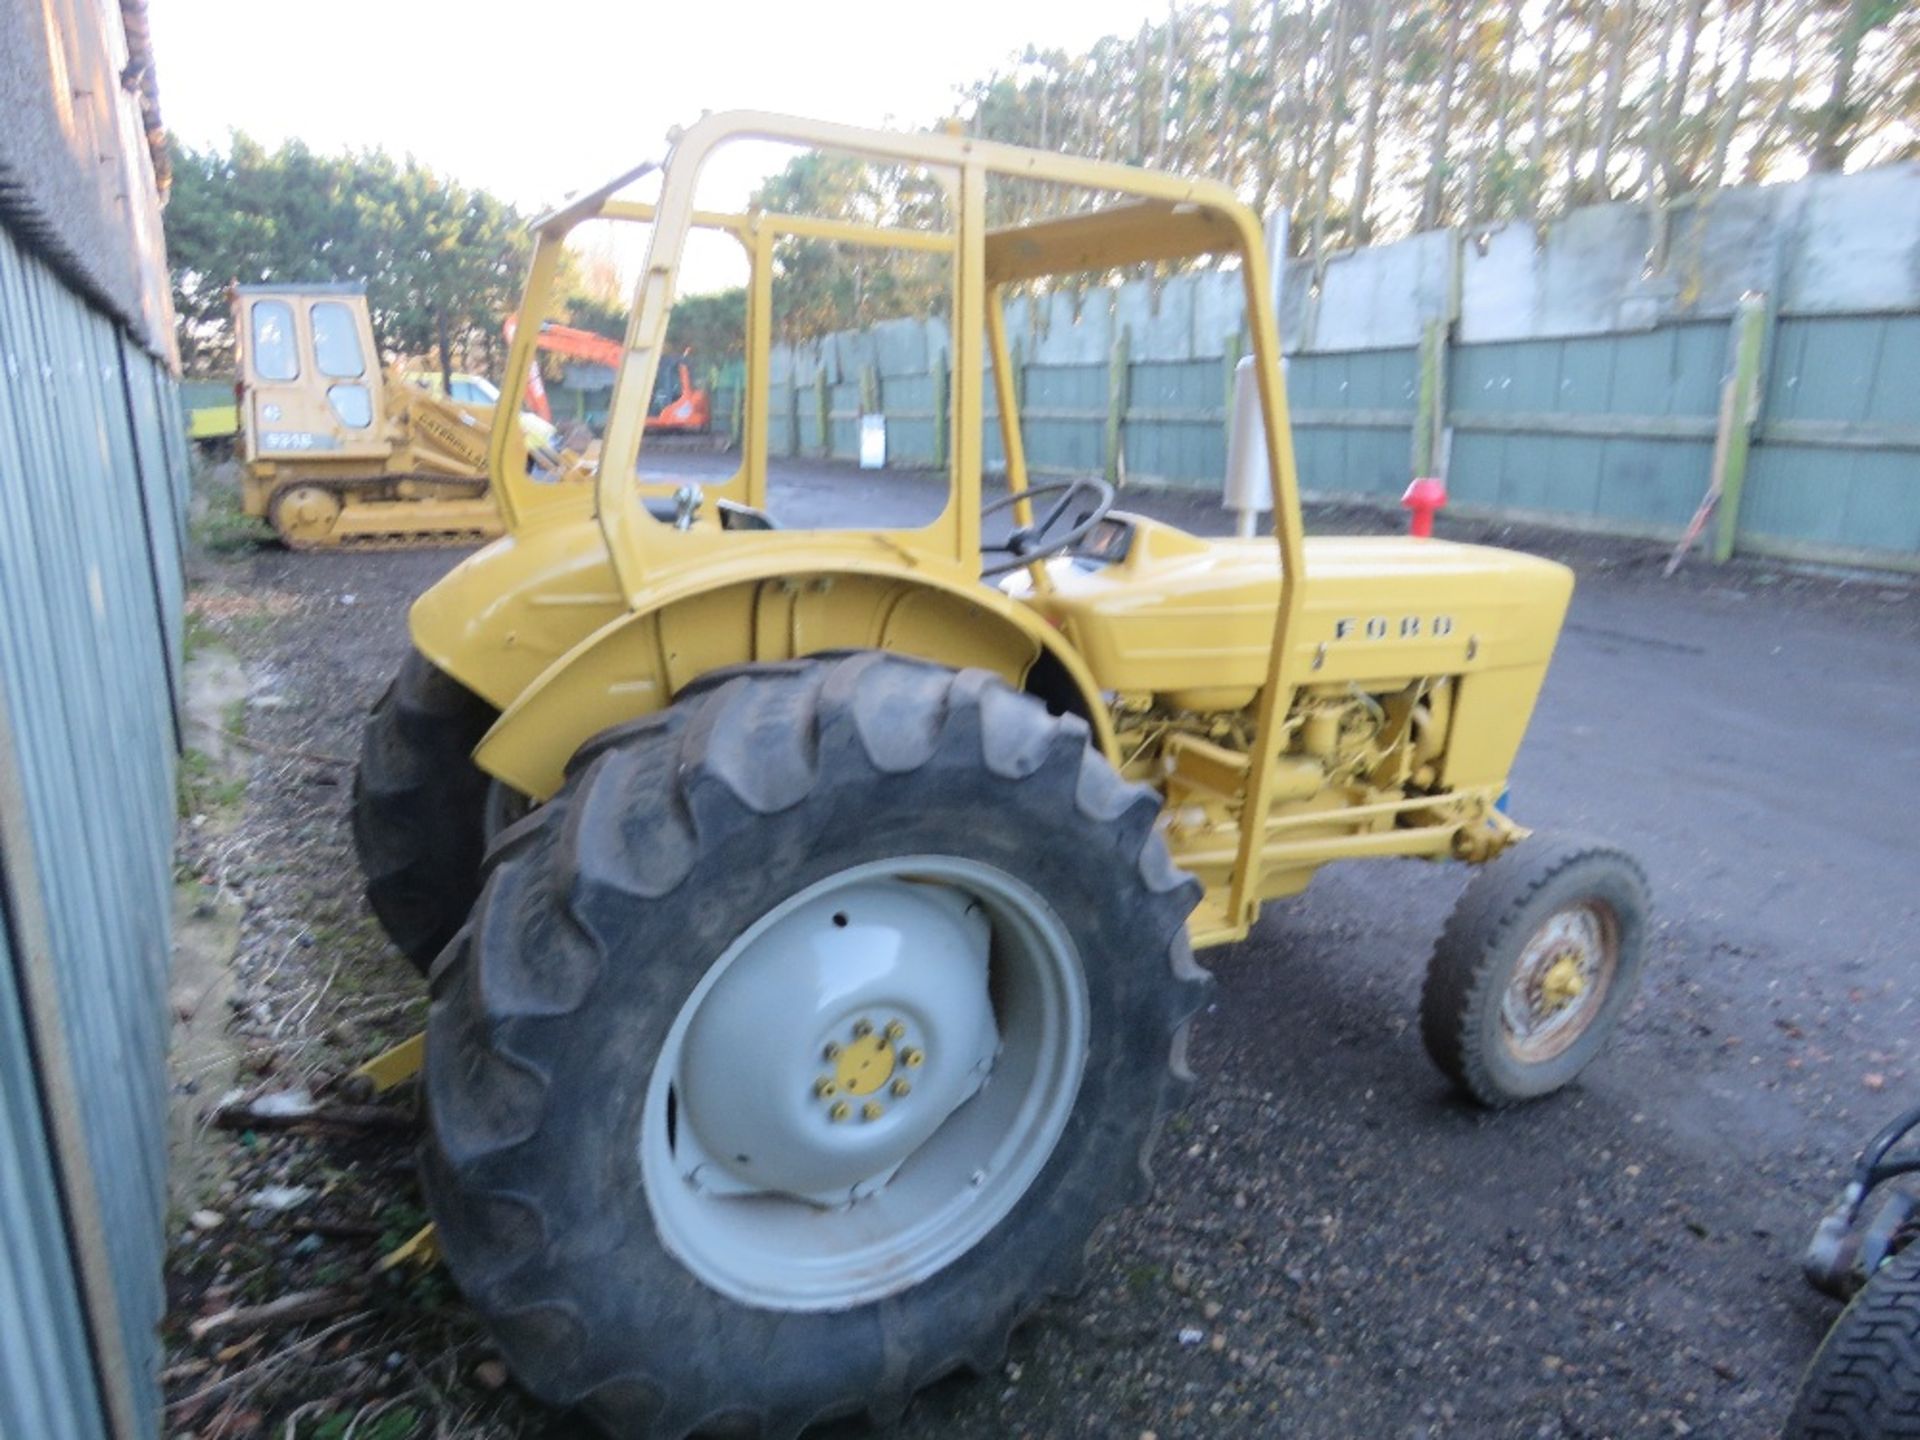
1026	544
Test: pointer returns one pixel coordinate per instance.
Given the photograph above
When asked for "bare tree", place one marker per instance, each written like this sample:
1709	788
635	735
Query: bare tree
1676	103
1336	100
1166	83
1656	133
1358	225
1267	156
1499	164
1833	137
1621	23
1310	84
1369	117
1781	111
1537	139
1140	94
1435	190
1736	96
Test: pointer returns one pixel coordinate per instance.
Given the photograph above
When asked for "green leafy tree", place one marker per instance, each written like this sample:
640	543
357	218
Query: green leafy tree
713	326
820	286
441	263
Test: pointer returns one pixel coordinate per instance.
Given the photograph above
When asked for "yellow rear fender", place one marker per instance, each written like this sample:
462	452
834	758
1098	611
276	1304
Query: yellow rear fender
636	663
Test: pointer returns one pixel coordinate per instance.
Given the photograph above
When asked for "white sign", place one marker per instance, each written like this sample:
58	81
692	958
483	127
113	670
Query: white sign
873	442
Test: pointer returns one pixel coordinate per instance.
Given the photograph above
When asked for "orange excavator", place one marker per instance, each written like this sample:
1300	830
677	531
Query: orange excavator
678	407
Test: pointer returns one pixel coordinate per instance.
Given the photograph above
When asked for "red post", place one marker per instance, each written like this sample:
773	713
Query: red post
1423	497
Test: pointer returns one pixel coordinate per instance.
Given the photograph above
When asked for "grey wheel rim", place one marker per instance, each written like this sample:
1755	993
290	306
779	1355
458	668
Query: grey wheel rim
864	1084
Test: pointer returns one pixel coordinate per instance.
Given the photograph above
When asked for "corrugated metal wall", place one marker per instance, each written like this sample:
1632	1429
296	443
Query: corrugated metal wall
93	490
46	1377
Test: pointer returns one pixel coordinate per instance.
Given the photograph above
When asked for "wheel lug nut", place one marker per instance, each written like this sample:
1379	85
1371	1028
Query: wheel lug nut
895	1030
901	1088
862	1029
832	1052
840	1110
872	1111
913	1058
823	1087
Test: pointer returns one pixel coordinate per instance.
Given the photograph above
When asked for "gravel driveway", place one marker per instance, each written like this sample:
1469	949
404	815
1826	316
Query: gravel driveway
1338	1248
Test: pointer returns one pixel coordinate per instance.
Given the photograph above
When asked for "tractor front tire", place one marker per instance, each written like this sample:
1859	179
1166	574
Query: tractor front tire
420	807
799	1043
1864	1382
1539	960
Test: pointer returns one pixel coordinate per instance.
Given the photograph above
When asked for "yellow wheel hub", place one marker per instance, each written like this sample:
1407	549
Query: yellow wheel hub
870	1061
865	1065
1564	982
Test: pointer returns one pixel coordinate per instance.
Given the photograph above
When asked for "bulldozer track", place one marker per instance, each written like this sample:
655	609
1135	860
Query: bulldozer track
415	536
360	544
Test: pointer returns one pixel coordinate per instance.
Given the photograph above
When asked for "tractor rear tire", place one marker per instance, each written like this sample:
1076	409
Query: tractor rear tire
585	1202
1864	1382
420	807
1539	960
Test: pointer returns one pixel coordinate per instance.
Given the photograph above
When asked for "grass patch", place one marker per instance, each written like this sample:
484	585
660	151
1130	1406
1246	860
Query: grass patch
197	636
222	527
200	788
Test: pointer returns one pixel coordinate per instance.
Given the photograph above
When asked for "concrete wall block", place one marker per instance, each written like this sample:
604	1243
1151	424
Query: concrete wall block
1159	319
1857	247
1728	244
1070	334
1586	277
1219	309
1293	306
900	346
1382	297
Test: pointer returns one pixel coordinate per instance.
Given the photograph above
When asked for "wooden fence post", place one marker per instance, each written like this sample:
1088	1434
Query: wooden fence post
823	408
1430	415
1117	367
1736	438
793	416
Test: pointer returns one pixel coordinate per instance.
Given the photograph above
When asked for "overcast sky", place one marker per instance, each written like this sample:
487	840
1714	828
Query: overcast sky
535	99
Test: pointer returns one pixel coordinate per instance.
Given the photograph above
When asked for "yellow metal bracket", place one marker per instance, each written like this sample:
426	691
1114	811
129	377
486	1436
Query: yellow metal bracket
422	1250
393	1067
384	1072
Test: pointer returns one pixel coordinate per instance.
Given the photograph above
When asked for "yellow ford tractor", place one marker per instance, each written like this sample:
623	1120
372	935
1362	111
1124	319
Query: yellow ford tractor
810	919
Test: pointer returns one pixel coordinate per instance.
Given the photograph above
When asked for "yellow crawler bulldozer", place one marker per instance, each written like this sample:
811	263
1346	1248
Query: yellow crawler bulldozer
811	911
338	452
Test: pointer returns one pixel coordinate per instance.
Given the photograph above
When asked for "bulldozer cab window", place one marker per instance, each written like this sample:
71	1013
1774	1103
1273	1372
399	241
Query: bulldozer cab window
276	353
336	343
352	405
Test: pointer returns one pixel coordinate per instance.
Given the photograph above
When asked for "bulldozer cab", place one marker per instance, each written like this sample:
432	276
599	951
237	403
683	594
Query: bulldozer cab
310	382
